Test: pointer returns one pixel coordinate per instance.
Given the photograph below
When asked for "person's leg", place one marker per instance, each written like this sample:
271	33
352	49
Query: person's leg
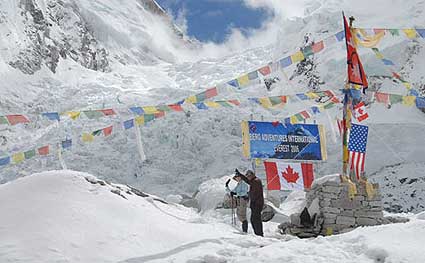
242	214
256	221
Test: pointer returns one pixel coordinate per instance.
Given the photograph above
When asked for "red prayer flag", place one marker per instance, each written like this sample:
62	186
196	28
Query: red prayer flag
265	70
159	114
282	175
209	93
356	74
43	150
107	131
382	97
305	114
317	47
176	107
15	119
108	112
235	102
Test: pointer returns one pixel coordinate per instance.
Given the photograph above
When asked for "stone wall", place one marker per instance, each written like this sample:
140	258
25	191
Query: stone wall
342	212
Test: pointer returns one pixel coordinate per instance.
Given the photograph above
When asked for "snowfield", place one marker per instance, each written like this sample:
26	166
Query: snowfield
59	216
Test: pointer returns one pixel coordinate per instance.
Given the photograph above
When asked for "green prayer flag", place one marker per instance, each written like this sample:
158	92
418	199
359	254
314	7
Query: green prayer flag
329	105
394	32
93	114
201	97
164	108
394	98
224	103
97	133
29	154
307	51
149	117
299	116
275	100
3	120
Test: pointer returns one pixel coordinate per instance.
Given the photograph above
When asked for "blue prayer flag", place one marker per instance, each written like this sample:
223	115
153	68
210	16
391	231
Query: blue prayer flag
137	110
201	106
4	161
285	62
340	35
420	102
67	144
302	96
387	62
315	110
421	32
53	116
129	124
234	83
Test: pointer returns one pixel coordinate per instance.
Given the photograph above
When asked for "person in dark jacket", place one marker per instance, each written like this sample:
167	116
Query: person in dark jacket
256	200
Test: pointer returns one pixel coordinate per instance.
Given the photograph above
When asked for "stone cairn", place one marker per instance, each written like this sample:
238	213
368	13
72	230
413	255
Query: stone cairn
338	208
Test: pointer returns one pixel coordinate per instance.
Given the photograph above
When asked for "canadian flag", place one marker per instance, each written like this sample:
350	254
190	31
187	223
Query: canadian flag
288	176
360	112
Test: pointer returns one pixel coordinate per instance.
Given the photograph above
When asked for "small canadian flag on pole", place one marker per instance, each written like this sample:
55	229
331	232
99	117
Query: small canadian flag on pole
360	112
282	175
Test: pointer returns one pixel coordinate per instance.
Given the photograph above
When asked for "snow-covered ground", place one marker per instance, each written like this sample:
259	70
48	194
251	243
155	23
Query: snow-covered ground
59	216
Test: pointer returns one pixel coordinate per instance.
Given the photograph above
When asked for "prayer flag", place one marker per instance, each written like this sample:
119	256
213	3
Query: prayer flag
176	107
340	36
87	137
212	92
233	83
73	114
29	154
307	51
108	130
43	150
420	102
382	98
212	104
282	175
410	33
67	144
235	102
317	47
266	70
395	98
409	100
394	32
53	116
18	157
243	80
150	109
108	112
137	110
93	114
253	75
201	106
356	74
421	32
3	120
285	62
297	57
129	124
4	161
140	120
16	119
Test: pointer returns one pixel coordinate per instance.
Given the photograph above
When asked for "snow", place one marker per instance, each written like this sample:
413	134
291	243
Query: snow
327	178
59	216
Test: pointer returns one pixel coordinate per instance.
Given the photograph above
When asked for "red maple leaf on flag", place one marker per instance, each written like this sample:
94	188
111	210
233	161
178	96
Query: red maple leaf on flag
290	176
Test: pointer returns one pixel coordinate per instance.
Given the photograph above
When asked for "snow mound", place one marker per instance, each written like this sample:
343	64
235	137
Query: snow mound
66	216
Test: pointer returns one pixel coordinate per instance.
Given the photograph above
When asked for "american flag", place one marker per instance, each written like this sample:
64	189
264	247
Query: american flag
357	148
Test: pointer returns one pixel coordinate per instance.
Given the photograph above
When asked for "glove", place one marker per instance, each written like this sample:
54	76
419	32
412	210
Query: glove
232	193
227	183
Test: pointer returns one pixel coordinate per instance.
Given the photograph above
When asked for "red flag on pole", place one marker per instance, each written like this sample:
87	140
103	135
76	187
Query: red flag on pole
356	74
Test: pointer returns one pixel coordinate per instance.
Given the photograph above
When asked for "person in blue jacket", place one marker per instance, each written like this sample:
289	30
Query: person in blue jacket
240	192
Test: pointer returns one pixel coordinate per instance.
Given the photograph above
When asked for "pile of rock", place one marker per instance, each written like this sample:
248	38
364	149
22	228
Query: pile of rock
336	208
341	210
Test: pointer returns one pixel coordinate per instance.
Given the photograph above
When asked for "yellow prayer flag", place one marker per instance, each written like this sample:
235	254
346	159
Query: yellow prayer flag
294	119
87	137
409	100
73	114
150	110
257	162
18	157
297	57
140	120
407	85
410	33
191	99
379	55
244	80
312	95
265	102
212	104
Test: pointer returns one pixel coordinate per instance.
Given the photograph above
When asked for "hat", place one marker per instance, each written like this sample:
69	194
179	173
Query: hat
250	173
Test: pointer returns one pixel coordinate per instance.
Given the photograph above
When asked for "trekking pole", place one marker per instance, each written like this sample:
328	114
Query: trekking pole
231	206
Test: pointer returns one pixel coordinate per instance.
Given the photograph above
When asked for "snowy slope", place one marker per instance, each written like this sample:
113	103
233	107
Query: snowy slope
60	216
147	64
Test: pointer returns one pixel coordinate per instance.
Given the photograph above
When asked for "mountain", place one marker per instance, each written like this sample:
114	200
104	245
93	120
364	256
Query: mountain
59	56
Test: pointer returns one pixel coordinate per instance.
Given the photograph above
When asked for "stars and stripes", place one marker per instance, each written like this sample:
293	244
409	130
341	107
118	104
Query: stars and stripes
357	148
